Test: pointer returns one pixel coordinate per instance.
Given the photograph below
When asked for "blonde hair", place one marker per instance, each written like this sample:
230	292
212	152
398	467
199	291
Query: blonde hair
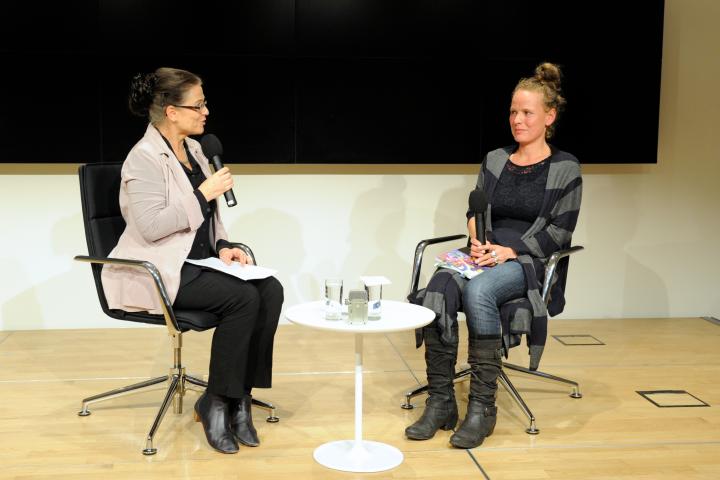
547	82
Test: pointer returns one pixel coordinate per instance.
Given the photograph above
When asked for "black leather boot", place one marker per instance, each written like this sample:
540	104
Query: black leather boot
485	358
214	413
440	407
242	424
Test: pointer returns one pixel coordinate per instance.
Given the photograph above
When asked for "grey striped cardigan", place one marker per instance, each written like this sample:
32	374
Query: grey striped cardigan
551	231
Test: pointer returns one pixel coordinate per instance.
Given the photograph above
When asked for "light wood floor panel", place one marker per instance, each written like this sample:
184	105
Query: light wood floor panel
68	354
452	464
658	462
611	411
610	433
111	438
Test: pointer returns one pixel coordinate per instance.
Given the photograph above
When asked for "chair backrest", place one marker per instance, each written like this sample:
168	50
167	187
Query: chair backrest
99	196
104	224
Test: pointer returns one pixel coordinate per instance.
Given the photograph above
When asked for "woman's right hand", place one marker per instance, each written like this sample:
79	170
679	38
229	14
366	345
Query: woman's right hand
219	183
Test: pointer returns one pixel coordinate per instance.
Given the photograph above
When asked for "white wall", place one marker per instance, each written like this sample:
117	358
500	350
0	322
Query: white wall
650	231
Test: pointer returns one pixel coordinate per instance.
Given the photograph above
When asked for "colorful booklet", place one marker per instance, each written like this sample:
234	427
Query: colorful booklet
460	261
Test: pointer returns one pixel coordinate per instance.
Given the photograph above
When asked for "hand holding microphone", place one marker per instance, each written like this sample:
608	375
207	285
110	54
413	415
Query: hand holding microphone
477	204
221	181
217	184
485	253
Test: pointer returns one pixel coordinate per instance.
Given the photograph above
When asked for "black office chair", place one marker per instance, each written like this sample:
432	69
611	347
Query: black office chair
510	339
99	190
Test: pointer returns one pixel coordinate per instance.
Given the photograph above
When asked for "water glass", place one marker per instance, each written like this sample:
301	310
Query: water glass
374	301
333	298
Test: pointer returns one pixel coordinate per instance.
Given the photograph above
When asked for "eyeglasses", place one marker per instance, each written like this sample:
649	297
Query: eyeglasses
197	108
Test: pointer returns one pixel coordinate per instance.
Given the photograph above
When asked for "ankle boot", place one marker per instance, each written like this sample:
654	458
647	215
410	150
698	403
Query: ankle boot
242	424
440	407
484	357
214	413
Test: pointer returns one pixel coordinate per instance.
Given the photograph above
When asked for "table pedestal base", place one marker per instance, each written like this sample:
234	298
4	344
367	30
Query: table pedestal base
354	456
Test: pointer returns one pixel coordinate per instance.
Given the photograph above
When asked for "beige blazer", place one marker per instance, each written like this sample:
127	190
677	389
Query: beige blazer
162	214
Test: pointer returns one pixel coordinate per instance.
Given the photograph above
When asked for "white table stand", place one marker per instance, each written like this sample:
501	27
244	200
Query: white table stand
360	455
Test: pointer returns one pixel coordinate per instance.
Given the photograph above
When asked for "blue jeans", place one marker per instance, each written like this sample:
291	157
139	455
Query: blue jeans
483	295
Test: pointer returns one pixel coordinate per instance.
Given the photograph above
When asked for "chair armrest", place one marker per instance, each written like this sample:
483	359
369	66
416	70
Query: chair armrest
168	312
552	266
420	251
248	251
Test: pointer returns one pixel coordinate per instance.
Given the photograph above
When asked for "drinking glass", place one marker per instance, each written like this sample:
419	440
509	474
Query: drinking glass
333	298
374	301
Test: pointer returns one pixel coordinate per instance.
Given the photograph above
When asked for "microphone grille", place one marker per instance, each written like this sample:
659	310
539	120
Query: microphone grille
211	145
477	201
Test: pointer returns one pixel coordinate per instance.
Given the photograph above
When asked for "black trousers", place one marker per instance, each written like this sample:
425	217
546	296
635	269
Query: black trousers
242	344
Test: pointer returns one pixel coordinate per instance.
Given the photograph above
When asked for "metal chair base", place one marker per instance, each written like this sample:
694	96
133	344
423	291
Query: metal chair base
503	379
176	381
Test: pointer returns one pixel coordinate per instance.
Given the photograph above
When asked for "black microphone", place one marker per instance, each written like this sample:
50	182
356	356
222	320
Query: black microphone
478	205
212	148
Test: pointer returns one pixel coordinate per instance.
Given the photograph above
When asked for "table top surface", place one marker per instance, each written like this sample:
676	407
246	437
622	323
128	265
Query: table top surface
396	317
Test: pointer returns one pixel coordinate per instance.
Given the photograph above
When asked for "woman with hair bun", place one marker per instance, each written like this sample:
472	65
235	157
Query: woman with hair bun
168	200
533	192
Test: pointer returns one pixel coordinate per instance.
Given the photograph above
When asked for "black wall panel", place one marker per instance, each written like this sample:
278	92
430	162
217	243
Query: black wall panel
331	81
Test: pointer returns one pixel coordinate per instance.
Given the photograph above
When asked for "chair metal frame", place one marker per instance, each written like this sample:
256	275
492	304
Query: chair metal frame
177	380
465	372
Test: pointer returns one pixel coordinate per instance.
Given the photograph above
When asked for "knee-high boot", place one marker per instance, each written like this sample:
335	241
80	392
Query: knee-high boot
485	358
440	407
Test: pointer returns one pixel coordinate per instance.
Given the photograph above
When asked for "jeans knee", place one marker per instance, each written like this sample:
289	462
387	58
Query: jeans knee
476	295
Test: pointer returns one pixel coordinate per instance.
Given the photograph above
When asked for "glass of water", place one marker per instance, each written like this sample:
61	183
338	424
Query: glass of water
374	301
333	298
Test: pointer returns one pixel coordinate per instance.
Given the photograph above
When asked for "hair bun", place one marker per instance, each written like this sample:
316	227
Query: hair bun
142	92
549	74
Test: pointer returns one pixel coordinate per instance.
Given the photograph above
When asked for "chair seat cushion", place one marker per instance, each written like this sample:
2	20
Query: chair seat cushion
516	318
196	320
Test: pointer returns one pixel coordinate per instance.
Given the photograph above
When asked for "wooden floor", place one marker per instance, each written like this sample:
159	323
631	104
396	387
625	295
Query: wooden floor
611	433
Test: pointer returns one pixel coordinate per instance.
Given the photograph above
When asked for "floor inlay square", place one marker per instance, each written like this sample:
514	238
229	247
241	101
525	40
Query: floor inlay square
571	340
671	398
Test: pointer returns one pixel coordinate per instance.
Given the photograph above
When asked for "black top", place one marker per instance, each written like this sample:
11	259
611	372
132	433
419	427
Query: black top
201	244
201	247
519	195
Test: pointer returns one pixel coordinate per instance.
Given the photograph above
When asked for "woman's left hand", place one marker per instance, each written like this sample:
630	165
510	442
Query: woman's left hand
229	255
494	255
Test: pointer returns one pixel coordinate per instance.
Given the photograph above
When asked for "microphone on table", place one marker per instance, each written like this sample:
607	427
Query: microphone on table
212	148
478	205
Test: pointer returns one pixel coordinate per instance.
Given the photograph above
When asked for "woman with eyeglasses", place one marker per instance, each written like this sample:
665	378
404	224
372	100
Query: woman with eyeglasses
168	198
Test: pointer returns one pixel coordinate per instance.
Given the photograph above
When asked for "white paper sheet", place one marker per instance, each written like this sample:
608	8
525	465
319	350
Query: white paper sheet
244	272
375	280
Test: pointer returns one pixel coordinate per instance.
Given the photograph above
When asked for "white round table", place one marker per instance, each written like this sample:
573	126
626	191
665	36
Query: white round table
360	455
